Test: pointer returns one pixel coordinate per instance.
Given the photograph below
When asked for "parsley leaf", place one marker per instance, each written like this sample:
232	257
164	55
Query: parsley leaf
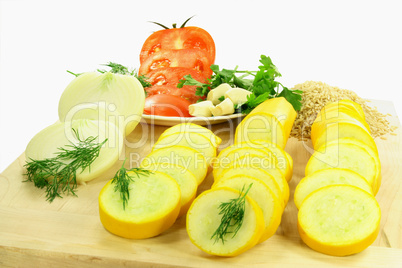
261	83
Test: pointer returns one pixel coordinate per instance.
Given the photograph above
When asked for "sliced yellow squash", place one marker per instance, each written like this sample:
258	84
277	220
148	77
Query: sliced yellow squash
204	218
284	160
261	126
189	139
340	113
282	110
271	206
324	133
373	153
187	182
248	164
340	155
325	177
339	220
277	184
152	208
349	104
191	127
186	157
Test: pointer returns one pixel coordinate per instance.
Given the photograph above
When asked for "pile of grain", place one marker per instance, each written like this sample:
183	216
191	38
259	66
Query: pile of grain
317	94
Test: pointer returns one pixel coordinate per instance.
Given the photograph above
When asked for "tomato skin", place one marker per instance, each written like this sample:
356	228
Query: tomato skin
179	38
188	58
166	105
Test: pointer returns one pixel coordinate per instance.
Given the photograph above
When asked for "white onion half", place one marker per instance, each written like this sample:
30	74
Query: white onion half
108	96
47	142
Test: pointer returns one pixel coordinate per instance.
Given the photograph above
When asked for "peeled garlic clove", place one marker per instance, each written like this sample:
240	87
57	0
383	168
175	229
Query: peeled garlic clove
237	95
215	94
224	108
201	108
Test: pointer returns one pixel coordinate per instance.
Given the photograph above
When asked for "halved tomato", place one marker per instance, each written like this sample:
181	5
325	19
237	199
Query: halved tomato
187	92
166	105
195	59
179	38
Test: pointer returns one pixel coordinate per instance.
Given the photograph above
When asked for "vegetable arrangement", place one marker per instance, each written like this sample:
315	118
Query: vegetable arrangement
250	191
144	202
338	213
255	168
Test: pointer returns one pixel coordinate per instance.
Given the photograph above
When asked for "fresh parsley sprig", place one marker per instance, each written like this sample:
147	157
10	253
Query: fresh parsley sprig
59	174
261	83
232	216
122	181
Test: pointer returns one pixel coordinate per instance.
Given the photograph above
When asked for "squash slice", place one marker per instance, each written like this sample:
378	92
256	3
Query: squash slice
248	163
259	147
282	110
340	155
325	177
232	155
261	126
189	139
279	191
203	219
185	179
373	153
323	133
152	208
348	104
271	206
284	160
339	113
186	157
339	220
191	127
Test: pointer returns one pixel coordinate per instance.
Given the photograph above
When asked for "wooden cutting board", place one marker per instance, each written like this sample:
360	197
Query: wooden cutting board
68	231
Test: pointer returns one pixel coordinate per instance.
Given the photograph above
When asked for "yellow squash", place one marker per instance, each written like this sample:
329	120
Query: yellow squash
326	177
203	219
271	206
344	155
152	208
339	220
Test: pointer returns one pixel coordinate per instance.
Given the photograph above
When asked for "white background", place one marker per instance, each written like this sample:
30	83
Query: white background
350	44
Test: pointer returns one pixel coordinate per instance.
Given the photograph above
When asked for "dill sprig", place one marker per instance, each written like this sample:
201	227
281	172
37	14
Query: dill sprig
122	180
59	174
232	216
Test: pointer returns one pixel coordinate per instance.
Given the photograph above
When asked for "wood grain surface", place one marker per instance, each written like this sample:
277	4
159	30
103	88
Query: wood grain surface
68	232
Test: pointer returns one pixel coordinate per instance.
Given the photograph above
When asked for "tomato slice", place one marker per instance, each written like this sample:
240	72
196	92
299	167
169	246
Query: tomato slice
166	105
179	38
165	80
172	75
187	93
195	59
